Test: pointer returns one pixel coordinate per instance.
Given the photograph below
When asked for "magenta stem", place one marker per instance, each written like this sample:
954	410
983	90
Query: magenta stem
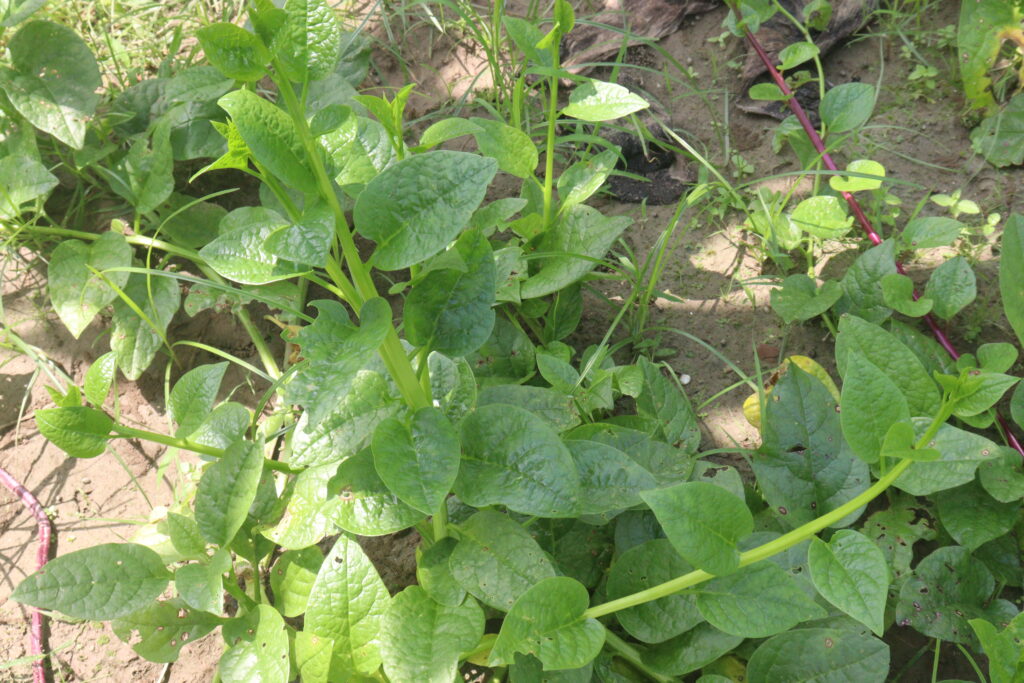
42	556
819	145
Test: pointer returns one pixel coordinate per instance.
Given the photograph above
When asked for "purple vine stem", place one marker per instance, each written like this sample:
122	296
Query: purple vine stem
42	556
819	145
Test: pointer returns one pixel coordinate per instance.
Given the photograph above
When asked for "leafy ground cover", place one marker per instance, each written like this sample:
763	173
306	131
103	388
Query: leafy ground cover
468	351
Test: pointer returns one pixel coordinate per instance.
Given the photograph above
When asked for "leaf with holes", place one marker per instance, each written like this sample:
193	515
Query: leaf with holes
257	648
292	577
159	632
820	654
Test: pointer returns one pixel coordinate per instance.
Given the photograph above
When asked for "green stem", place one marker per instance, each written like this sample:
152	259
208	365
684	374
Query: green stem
440	521
126	432
266	357
549	154
628	652
138	240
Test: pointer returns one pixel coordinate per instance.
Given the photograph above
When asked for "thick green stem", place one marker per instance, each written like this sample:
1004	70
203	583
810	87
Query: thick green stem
137	240
549	152
628	652
440	521
266	357
126	432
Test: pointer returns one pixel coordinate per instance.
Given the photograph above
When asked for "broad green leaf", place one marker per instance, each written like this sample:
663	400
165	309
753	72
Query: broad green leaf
335	351
961	453
642	567
820	654
899	443
99	379
1000	137
528	669
575	244
16	11
348	427
896	529
972	517
347	604
703	522
951	286
78	431
418	460
238	253
890	356
159	632
450	310
862	284
1003	477
526	35
690	651
364	504
668	465
222	427
982	28
799	298
448	129
547	622
194	395
258	653
933	231
76	292
581	549
847	106
510	147
769	92
609	480
871	403
898	294
796	54
271	137
22	179
132	338
200	585
190	222
577	183
1011	277
54	80
664	401
313	657
422	640
508	357
306	518
149	170
803	469
308	44
756	602
292	577
496	560
184	535
307	242
1002	647
997	357
414	208
99	583
513	458
558	409
869	176
235	52
226	490
988	388
850	572
434	573
823	216
596	100
947	589
357	152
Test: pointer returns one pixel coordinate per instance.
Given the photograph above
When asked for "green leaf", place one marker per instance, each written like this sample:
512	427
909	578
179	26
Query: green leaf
149	169
690	651
16	11
664	401
510	147
645	566
951	286
513	458
580	181
193	397
54	80
448	129
292	577
98	583
820	654
200	585
609	480
528	669
496	560
869	176
335	352
703	522
927	233
364	505
271	137
1001	647
22	179
159	632
988	388
997	357
235	52
823	216
508	357
259	652
307	242
1000	137
862	283
580	549
78	431
768	92
896	529
558	409
313	657
308	44
225	425
184	535
422	640
596	100
1011	277
226	490
357	153
581	236
416	207
947	589
962	453
847	107
800	299
756	602
305	520
668	465
898	294
871	403
133	339
899	443
451	311
972	517
238	253
418	460
347	604
803	469
547	622
1003	477
796	54
99	378
982	28
76	292
850	572
434	573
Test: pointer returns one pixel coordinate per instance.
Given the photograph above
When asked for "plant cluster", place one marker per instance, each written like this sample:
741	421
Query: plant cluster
570	527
